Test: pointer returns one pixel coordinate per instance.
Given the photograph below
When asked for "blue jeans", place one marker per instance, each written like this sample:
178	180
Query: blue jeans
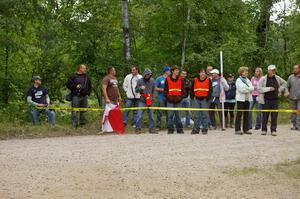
201	117
186	104
258	114
159	114
130	103
140	115
171	114
79	102
35	113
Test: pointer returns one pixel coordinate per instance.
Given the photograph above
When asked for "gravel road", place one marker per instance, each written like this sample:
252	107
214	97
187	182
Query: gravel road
149	166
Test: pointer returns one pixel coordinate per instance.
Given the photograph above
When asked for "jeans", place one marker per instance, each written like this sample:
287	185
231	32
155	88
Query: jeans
130	103
242	105
186	104
215	103
201	117
295	117
79	102
258	114
35	113
140	115
270	104
174	117
229	110
160	113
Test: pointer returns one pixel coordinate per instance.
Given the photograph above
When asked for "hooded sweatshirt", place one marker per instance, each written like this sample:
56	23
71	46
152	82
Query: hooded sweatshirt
149	85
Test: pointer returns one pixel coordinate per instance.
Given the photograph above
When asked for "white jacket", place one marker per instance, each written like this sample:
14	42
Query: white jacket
129	85
244	90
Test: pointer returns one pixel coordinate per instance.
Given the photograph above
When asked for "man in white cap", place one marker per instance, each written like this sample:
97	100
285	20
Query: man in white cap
270	87
215	97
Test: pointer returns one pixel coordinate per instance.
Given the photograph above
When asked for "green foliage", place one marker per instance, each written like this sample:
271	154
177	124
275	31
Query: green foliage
50	38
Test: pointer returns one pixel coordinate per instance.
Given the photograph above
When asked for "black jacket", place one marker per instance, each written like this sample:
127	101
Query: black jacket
79	79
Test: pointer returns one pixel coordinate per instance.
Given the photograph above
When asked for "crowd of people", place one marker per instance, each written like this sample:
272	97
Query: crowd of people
175	89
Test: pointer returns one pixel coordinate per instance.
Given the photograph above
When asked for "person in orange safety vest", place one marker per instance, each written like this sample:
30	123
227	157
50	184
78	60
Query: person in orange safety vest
202	89
174	93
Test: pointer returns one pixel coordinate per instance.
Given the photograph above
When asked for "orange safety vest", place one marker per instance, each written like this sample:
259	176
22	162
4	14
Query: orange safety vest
174	87
201	89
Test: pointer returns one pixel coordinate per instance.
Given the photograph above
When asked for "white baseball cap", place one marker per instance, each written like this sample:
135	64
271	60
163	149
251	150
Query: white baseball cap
216	71
271	67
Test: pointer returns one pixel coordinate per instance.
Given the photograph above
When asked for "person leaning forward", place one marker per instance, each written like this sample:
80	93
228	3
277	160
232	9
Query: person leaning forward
80	86
37	97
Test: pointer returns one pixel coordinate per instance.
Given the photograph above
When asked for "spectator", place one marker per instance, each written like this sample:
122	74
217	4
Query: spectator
174	93
37	96
255	94
230	102
159	88
243	97
202	89
133	97
110	89
80	86
293	86
215	99
270	87
146	87
186	98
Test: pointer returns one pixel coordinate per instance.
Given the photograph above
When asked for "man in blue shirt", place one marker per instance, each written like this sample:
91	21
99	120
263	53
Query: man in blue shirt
159	88
37	96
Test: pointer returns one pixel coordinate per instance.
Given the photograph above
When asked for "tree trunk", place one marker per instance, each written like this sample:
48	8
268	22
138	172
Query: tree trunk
261	31
126	31
184	37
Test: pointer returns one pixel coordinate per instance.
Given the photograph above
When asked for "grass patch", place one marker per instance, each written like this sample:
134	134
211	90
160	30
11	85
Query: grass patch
290	168
243	171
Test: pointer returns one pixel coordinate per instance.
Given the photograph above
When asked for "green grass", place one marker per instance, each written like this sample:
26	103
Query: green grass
290	168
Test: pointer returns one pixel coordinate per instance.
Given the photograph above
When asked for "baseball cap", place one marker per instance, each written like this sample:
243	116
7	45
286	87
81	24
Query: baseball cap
37	77
167	68
216	71
271	67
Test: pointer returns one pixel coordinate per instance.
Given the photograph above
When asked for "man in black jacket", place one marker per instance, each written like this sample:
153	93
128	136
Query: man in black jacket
80	86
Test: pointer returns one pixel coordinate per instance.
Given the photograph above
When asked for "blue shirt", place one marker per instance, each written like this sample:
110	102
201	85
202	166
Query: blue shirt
160	83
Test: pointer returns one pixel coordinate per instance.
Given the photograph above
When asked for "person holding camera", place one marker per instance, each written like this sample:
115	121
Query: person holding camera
80	88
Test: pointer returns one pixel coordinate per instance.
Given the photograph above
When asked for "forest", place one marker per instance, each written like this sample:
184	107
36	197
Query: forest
51	37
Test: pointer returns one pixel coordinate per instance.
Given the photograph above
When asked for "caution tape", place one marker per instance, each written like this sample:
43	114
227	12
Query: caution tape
168	109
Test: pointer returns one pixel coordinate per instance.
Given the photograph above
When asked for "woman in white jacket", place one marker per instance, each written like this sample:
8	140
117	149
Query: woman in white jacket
243	98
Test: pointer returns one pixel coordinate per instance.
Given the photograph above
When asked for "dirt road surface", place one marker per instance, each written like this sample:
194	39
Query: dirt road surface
150	166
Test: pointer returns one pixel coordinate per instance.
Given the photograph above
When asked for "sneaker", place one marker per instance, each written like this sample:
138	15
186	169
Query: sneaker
170	131
204	131
153	131
294	128
213	128
238	132
273	133
133	126
158	128
180	131
264	133
138	131
257	128
194	132
248	132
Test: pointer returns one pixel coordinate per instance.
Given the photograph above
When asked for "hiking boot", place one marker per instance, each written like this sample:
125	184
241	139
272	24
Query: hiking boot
264	133
180	131
170	131
248	132
138	131
273	133
204	131
257	128
153	131
238	132
195	132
